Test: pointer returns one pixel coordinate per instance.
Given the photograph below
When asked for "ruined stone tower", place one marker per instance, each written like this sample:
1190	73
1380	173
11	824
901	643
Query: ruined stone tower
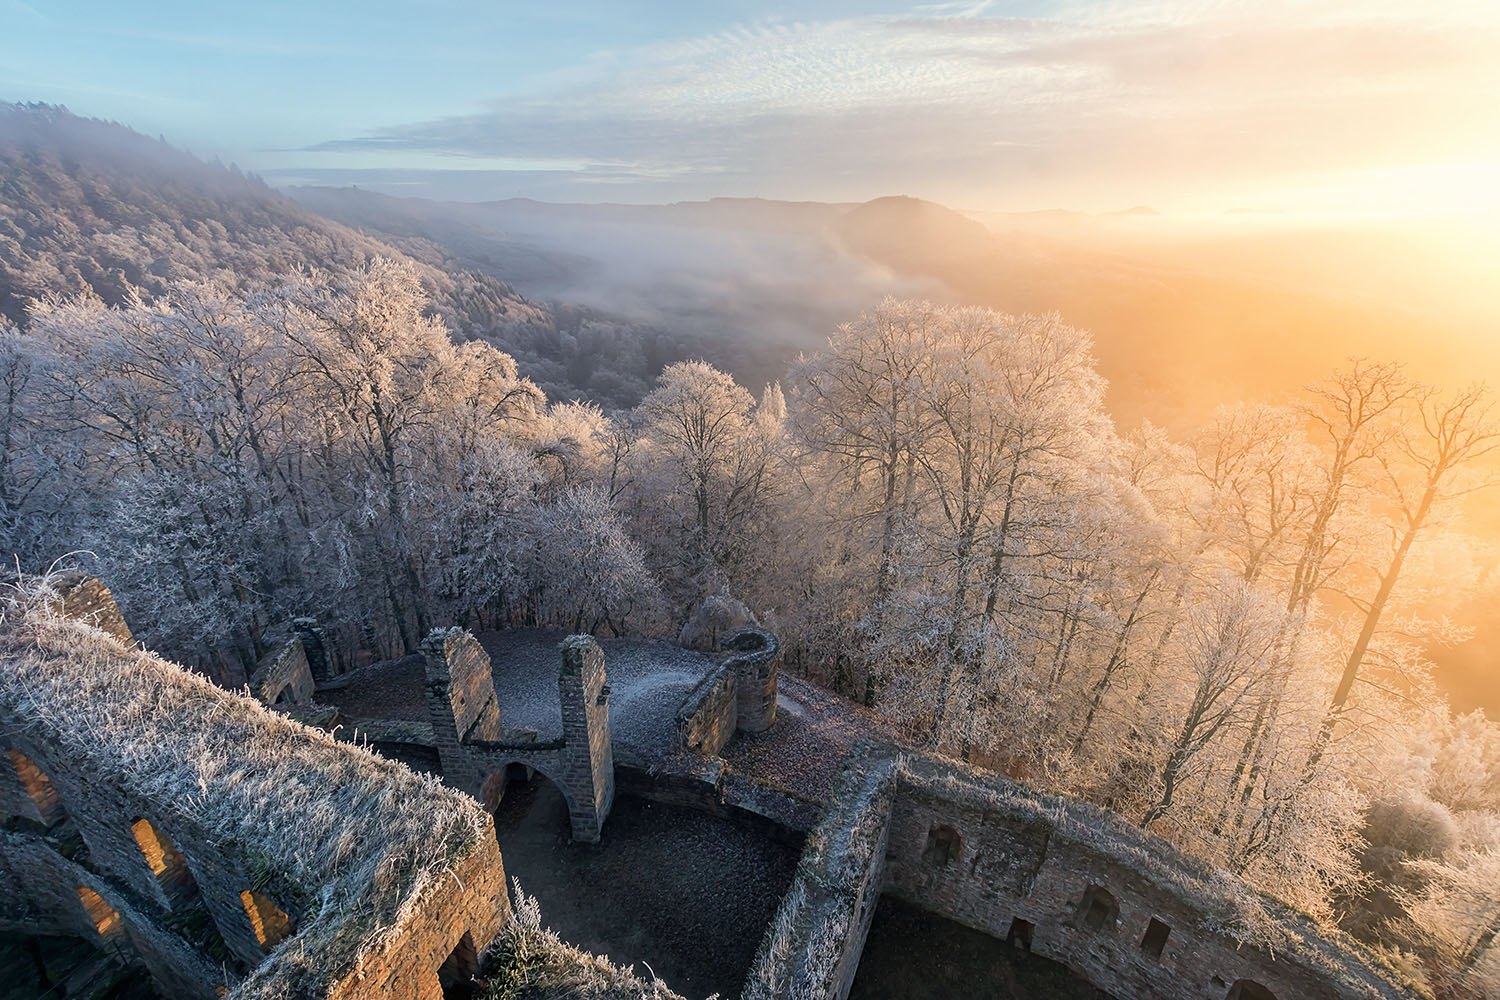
757	656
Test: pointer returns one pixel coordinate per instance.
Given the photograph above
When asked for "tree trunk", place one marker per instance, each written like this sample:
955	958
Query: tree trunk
1367	630
1116	661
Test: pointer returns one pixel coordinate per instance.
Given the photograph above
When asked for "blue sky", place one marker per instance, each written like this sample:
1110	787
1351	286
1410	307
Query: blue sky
1190	105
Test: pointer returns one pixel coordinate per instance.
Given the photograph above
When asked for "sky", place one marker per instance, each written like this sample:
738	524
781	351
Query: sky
1373	108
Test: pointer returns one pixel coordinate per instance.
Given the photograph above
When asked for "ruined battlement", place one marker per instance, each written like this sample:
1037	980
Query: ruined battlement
283	676
231	850
219	844
1049	875
739	696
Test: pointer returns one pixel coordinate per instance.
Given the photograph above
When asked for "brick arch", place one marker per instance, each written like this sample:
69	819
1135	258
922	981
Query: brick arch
491	795
268	921
165	861
109	925
473	745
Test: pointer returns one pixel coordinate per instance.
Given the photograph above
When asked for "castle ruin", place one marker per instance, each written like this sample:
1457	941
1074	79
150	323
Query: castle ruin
231	850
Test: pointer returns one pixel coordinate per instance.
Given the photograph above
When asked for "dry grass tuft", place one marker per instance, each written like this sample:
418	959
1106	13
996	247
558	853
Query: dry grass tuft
529	962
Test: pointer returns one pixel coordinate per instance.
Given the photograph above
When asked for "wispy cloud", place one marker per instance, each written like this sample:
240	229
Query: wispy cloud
952	100
25	10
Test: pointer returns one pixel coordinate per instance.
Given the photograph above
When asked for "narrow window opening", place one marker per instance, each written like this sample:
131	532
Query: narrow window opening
944	845
165	861
457	973
1019	935
103	916
1098	910
39	788
1156	938
271	925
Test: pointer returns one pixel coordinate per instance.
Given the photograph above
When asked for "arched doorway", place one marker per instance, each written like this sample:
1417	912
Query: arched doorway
165	862
107	922
39	788
191	918
527	801
268	921
1249	989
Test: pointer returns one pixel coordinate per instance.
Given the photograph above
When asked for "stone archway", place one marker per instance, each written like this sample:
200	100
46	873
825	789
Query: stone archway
165	861
473	745
39	788
521	771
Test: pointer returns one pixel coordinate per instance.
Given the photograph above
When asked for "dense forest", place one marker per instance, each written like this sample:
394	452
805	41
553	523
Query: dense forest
1221	636
92	208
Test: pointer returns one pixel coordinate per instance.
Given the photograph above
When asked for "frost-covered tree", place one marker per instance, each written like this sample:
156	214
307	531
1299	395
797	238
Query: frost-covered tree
587	573
705	473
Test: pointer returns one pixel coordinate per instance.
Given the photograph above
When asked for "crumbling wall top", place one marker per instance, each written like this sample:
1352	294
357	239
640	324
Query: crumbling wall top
220	763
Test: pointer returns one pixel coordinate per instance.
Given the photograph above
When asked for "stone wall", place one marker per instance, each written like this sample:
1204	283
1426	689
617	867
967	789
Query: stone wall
461	920
708	785
589	750
461	702
192	928
315	647
739	696
132	934
813	947
97	821
709	714
86	598
283	676
475	749
95	849
1054	876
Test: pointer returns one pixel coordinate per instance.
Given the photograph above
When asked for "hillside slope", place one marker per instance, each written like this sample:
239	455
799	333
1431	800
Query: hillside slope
92	207
743	283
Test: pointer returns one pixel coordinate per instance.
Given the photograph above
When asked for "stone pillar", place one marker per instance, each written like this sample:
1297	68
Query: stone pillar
86	598
314	647
461	702
588	754
756	661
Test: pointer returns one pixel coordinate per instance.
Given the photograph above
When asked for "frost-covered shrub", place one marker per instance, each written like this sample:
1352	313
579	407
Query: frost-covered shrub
1418	827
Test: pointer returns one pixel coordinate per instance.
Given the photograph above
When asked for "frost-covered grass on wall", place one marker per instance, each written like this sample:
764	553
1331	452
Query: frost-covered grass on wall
349	838
527	961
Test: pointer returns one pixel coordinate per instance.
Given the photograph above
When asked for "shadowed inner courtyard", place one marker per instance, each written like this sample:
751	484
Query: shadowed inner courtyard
912	954
685	893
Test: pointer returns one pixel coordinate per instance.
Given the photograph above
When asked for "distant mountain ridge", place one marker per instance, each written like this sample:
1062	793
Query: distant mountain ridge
1181	322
